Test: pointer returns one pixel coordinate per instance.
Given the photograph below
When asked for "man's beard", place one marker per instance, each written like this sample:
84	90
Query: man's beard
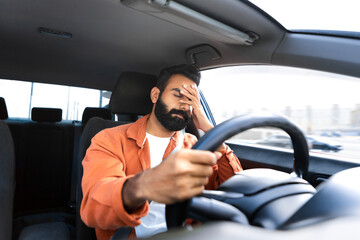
169	122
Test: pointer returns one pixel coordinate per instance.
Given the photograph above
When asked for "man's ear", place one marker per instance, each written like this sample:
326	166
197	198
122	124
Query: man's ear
154	94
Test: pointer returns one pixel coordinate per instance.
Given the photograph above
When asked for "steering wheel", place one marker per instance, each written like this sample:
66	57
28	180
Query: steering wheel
177	213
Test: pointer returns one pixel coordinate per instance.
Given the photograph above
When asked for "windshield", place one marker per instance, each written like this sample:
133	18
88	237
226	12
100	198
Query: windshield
305	14
325	106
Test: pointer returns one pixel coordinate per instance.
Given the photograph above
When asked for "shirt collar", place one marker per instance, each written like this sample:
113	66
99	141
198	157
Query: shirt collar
137	131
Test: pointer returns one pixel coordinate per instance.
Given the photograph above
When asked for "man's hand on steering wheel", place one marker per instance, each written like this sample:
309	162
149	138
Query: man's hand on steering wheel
180	176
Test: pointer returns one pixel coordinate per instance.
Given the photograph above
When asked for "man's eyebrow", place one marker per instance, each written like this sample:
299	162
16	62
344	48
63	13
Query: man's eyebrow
176	89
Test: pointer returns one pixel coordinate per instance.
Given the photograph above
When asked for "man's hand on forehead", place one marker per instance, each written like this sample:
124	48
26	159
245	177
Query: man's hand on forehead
190	92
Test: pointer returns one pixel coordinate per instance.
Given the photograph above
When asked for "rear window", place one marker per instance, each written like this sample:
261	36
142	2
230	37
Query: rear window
21	97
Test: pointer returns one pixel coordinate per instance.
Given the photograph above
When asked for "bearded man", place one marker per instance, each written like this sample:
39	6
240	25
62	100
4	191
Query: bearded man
132	171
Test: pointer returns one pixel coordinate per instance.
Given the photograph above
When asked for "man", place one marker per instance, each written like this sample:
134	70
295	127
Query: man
128	166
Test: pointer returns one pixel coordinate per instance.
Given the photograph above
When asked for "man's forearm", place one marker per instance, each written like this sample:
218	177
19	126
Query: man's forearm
131	194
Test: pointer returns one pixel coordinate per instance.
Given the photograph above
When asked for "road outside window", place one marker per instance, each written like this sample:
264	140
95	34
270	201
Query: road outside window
325	106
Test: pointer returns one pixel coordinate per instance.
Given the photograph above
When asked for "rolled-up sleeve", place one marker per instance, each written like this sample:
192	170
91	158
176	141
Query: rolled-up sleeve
225	167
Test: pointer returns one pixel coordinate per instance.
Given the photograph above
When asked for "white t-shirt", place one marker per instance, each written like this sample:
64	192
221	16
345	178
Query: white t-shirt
154	222
157	146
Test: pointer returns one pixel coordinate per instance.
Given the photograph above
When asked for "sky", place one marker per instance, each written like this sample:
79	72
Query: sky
314	14
272	87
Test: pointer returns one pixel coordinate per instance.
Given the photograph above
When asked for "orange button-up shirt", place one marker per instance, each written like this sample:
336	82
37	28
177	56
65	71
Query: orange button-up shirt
118	153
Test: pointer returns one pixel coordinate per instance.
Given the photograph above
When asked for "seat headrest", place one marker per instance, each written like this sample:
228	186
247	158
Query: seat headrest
3	109
46	114
90	112
132	94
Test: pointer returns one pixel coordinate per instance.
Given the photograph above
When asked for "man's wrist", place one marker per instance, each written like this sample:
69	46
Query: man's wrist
208	127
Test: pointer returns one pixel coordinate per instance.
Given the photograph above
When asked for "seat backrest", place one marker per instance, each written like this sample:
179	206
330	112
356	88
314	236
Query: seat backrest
7	182
90	112
131	96
93	126
44	153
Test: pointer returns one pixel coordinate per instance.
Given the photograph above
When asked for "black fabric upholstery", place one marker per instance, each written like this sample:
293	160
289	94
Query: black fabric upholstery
44	153
3	109
46	231
46	114
132	94
94	126
90	112
23	222
7	168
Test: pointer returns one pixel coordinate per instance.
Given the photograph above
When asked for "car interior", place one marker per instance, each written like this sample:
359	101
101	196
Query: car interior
119	46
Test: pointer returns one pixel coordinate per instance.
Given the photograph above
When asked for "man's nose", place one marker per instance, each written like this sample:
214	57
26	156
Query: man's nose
185	107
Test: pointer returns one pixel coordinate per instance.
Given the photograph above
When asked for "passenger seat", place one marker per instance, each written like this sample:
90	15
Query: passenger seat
7	176
44	153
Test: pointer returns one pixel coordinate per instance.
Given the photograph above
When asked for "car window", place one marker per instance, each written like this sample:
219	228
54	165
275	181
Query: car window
290	14
21	96
325	106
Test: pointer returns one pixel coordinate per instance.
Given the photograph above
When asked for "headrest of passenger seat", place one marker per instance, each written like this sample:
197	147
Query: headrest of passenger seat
46	114
90	112
3	109
132	94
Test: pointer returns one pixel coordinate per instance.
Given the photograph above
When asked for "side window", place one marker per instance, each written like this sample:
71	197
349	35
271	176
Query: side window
17	96
325	106
21	96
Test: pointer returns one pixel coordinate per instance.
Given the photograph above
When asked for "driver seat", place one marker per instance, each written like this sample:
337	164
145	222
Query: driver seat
131	96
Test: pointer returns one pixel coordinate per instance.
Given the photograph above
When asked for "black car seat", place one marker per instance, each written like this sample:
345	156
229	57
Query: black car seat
90	112
44	150
7	180
131	96
55	225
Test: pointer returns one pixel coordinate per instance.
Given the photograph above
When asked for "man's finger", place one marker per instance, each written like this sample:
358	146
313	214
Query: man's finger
199	181
201	157
196	191
200	170
187	94
193	90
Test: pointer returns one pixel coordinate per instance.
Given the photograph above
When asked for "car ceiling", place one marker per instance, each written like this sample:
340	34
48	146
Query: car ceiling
110	38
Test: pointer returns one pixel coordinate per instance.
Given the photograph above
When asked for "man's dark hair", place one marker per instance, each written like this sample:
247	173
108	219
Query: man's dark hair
189	71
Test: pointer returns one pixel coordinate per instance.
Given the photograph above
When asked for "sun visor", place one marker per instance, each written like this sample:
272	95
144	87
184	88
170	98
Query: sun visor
183	16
